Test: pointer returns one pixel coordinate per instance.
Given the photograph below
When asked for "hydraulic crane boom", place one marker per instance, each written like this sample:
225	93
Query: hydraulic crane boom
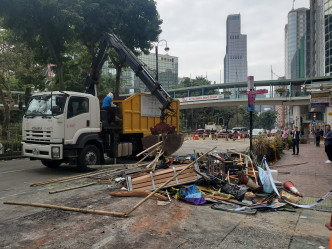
110	41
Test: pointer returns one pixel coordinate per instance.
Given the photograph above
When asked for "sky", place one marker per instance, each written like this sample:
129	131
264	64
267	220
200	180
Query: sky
195	31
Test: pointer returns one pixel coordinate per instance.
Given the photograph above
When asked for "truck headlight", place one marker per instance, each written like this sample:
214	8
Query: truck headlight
56	152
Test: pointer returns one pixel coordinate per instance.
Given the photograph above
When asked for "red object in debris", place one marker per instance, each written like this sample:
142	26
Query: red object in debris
329	226
162	128
290	186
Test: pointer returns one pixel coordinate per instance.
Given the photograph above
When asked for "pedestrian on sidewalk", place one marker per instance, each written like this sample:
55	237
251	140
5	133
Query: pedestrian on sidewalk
296	140
285	136
328	144
317	135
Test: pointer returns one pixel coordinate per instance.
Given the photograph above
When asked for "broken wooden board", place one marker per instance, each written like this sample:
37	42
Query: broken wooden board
153	180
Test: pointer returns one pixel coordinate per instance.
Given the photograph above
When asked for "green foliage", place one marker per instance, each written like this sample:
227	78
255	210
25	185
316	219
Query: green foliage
267	119
44	26
52	28
260	146
198	81
278	144
107	83
11	146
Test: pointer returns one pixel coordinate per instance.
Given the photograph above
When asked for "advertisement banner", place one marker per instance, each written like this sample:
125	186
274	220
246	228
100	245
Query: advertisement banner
201	98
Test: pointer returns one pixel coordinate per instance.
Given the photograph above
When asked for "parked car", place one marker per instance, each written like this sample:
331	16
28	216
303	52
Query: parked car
256	132
241	130
275	132
200	132
223	132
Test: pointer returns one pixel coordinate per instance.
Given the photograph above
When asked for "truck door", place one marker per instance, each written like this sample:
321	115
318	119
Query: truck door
78	118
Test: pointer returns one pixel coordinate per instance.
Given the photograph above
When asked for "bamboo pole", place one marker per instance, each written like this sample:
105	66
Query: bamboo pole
155	160
146	156
80	210
76	187
149	148
70	178
137	193
284	165
164	184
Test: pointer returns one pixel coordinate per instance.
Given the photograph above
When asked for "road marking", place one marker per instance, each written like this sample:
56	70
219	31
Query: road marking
12	171
20	193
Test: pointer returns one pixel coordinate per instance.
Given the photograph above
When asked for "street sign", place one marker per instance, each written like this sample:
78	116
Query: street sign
313	122
314	116
262	91
251	108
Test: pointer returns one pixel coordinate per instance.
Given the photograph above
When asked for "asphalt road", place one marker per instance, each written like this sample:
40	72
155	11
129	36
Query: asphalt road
177	225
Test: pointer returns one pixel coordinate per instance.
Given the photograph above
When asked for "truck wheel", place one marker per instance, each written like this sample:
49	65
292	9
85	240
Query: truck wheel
89	155
51	163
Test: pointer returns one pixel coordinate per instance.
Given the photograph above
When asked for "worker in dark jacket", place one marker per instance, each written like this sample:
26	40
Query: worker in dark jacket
328	144
296	140
317	135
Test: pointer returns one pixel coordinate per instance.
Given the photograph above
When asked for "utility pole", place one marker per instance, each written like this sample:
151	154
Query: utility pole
251	102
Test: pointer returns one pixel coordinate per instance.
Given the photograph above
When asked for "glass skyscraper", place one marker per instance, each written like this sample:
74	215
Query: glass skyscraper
235	61
317	52
168	68
328	36
297	49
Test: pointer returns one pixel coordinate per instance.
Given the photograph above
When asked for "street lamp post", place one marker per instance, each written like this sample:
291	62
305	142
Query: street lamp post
166	49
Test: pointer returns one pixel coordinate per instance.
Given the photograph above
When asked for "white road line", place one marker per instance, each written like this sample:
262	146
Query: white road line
5	172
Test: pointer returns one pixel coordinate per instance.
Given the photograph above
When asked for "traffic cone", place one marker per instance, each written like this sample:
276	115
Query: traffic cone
329	225
243	179
290	186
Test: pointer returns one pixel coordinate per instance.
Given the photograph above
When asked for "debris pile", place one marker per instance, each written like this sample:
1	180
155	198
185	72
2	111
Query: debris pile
226	181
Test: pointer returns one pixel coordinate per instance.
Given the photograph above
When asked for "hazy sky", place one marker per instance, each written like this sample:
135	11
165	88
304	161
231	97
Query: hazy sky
196	33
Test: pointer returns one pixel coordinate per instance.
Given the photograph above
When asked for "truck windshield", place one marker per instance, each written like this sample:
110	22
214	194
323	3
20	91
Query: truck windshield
46	105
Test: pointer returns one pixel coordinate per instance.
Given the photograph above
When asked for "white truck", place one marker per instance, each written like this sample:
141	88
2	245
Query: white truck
64	126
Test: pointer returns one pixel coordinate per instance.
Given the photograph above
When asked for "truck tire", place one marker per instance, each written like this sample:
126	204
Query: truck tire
51	163
89	155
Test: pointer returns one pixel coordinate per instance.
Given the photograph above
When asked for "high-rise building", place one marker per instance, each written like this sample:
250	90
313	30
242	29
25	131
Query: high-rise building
235	61
328	36
168	70
167	73
297	44
317	38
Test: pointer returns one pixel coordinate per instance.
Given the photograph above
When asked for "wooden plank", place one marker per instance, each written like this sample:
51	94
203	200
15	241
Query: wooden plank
168	185
164	171
149	180
149	184
147	177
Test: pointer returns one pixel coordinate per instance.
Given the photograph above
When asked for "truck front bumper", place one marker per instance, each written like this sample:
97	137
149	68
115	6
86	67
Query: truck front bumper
43	151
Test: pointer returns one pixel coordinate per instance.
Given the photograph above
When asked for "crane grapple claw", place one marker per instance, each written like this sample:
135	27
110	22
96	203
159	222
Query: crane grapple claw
171	142
162	128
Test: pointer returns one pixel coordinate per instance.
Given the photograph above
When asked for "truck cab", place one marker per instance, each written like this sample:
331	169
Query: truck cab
56	124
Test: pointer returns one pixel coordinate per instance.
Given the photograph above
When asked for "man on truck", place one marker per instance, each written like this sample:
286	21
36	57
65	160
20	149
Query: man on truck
107	101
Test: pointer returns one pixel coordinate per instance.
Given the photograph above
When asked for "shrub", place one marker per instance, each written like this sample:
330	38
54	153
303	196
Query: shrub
11	146
262	146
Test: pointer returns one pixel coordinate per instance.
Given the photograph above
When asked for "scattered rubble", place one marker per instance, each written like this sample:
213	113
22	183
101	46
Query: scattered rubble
227	181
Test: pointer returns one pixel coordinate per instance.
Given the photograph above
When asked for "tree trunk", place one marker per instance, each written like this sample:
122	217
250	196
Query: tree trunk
6	110
60	75
117	81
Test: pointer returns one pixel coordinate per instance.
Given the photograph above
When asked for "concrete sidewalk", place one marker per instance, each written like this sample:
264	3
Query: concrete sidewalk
313	178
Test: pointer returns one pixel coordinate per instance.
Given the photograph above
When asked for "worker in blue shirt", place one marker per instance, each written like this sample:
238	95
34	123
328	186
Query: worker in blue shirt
107	101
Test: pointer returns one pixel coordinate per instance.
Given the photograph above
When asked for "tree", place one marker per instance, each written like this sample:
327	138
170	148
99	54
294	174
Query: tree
200	81
267	119
135	22
187	82
17	66
44	26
